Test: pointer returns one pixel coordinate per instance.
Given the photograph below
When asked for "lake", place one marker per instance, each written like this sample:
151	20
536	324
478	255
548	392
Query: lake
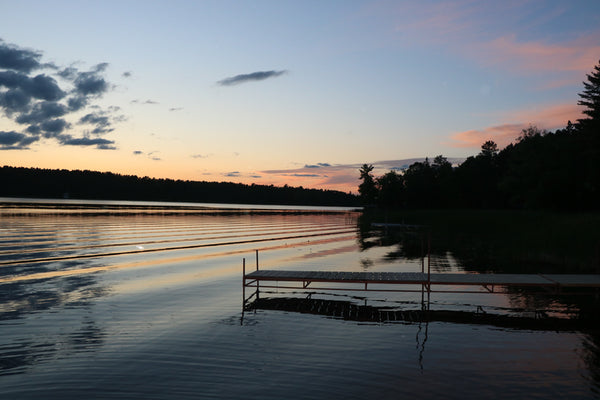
141	301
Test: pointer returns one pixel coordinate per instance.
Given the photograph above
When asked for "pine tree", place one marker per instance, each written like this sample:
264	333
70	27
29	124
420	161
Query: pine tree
367	189
591	96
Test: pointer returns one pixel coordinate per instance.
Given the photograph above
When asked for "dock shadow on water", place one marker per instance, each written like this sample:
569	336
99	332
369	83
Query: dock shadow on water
143	305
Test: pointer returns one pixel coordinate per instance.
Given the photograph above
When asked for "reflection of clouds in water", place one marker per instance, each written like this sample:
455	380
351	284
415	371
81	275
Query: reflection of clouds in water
61	335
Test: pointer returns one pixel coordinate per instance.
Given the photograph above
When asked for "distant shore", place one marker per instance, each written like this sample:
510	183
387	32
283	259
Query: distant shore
25	206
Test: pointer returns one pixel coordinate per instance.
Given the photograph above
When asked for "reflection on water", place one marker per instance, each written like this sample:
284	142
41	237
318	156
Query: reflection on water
348	310
86	312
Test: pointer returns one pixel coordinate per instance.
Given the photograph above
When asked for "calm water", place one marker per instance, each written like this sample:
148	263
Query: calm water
149	307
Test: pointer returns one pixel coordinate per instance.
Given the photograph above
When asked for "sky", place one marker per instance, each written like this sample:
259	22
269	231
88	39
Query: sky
283	92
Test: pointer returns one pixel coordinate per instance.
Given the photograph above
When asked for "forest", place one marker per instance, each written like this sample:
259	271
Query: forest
541	170
60	183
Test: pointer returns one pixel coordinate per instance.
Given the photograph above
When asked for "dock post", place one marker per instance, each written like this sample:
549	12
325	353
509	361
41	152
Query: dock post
257	281
243	284
428	256
422	273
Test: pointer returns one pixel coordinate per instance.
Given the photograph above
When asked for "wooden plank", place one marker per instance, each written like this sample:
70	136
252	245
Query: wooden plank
435	279
574	279
490	279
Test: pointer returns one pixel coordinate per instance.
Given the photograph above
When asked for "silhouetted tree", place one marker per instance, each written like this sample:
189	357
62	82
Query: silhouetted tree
391	190
444	190
367	189
489	149
477	178
591	97
419	184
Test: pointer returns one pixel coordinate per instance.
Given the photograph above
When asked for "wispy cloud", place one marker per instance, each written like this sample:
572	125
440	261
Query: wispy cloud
477	30
200	155
153	156
254	76
318	165
551	117
137	101
45	98
579	55
503	135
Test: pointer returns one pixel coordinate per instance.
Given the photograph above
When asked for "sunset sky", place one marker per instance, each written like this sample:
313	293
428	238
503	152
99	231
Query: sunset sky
283	92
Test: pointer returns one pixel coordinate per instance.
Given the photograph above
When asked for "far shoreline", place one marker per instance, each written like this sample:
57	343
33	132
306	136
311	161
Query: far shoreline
29	206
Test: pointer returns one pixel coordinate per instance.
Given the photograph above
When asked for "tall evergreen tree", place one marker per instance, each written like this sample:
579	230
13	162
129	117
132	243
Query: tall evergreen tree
591	97
367	189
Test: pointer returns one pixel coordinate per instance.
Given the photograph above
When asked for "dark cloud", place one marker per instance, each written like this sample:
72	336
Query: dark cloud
34	129
127	74
69	73
254	76
175	108
54	127
305	175
46	106
76	103
14	101
234	174
99	120
100	143
42	111
90	84
318	165
14	139
45	88
16	59
138	152
42	87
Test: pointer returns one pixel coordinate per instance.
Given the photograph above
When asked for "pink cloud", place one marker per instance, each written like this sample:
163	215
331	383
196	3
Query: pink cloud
503	135
549	117
579	55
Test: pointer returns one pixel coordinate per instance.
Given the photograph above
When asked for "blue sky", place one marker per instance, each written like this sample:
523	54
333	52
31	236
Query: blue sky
286	92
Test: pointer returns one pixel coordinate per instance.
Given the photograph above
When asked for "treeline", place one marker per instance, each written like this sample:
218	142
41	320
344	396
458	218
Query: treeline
60	183
542	170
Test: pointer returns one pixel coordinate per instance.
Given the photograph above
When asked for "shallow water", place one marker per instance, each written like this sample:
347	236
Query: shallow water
150	306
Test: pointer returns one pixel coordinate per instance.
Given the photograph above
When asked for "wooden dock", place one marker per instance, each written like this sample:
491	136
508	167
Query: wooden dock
555	281
411	281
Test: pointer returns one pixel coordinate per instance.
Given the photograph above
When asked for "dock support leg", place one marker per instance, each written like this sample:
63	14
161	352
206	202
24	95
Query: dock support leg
257	282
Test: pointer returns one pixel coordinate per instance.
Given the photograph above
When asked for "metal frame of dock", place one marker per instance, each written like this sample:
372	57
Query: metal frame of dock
424	282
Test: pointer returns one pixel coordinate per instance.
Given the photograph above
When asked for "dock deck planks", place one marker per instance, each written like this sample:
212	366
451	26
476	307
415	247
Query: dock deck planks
419	278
